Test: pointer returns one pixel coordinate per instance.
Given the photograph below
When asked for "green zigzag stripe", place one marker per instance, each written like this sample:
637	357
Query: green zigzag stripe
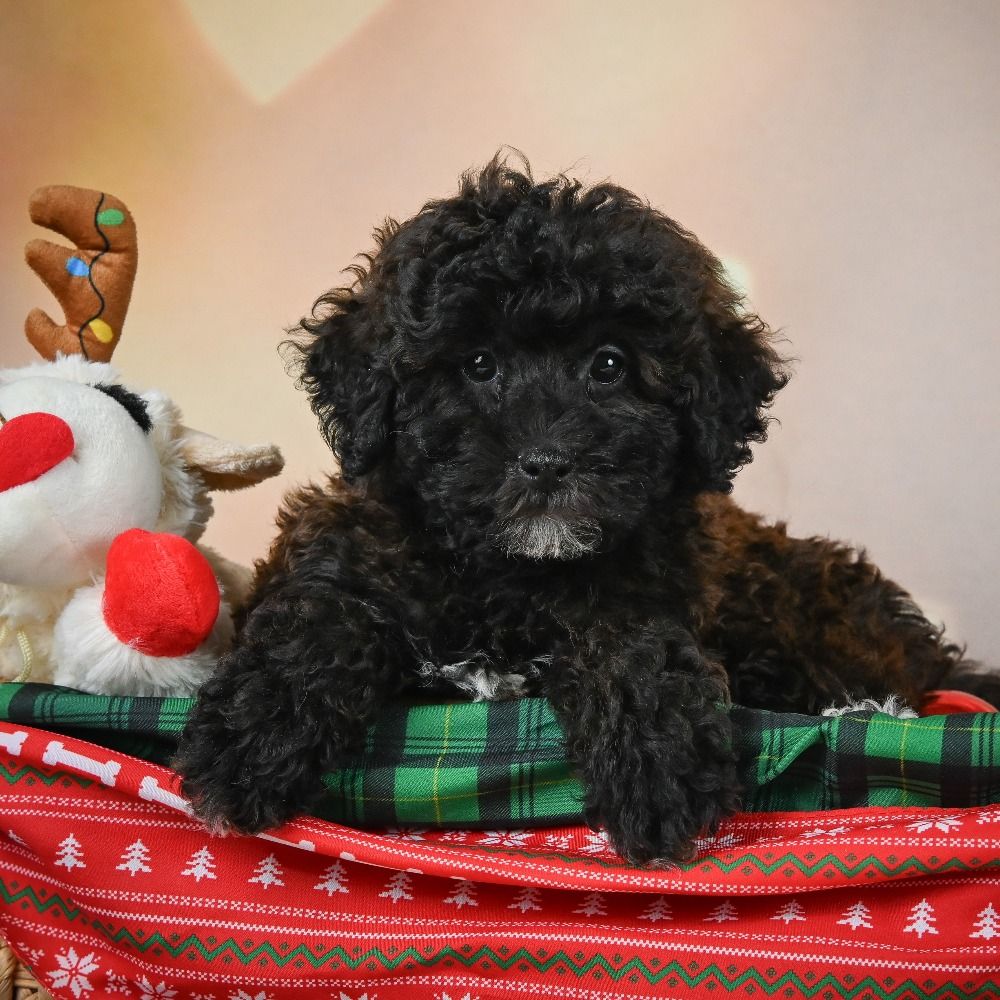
11	897
13	777
807	868
868	988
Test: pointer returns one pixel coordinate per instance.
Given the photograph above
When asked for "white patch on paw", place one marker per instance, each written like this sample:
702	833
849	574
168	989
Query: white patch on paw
893	705
479	678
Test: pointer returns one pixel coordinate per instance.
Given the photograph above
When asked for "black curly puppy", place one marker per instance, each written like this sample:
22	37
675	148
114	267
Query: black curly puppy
539	394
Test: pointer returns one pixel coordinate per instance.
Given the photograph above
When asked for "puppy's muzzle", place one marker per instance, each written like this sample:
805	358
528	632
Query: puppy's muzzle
546	469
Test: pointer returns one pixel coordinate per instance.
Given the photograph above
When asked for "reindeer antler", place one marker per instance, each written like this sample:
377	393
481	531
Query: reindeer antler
92	282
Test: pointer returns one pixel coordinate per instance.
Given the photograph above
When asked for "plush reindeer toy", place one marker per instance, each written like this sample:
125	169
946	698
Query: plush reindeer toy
103	490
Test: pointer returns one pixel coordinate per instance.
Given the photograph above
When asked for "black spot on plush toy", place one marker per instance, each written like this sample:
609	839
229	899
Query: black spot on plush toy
539	395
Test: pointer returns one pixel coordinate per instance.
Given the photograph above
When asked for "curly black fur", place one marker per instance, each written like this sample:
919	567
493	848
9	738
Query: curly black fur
552	529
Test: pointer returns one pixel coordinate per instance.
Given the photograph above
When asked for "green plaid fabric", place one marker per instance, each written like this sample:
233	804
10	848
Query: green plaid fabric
502	764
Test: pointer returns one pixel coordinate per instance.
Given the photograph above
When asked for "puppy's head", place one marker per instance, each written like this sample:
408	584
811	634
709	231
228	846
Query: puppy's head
539	365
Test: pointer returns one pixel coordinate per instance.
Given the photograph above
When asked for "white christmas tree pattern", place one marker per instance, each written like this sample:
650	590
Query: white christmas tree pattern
134	859
593	905
659	909
397	888
267	873
988	924
74	972
792	910
161	991
922	920
527	899
200	865
16	839
856	916
71	854
723	912
464	894
334	879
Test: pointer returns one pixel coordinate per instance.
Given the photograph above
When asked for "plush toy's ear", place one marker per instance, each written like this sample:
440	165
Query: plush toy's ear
344	369
737	373
225	465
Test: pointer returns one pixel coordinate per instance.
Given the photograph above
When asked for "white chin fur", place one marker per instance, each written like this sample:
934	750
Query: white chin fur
546	537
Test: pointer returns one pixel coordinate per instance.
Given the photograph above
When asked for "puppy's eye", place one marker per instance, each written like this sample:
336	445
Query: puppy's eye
481	367
608	366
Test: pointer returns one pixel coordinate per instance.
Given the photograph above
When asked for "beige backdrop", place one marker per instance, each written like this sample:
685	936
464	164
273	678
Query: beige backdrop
842	157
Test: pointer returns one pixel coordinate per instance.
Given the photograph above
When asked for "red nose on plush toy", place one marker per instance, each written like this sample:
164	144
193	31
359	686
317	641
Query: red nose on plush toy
30	445
160	594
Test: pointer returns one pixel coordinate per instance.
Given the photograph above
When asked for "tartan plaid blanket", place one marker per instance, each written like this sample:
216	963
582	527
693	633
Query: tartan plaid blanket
502	764
109	890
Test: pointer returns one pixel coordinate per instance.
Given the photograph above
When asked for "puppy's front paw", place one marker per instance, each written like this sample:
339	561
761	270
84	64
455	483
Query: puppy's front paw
242	771
661	819
654	801
229	786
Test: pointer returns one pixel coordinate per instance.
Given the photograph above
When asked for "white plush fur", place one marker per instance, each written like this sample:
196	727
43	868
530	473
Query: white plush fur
55	531
89	657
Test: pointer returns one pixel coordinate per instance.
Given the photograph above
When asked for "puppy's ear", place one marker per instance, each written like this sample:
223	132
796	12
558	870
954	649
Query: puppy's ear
341	365
735	378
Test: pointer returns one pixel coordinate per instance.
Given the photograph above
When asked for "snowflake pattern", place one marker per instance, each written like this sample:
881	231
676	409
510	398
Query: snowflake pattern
455	836
557	841
118	984
448	996
151	992
202	996
243	995
597	842
504	838
721	843
74	971
31	955
830	831
406	832
944	823
360	996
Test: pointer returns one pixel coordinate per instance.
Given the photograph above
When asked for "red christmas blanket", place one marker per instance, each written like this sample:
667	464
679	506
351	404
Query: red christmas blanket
108	889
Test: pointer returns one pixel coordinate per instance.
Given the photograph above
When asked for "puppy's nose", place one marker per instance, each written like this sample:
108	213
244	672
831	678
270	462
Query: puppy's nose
545	467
